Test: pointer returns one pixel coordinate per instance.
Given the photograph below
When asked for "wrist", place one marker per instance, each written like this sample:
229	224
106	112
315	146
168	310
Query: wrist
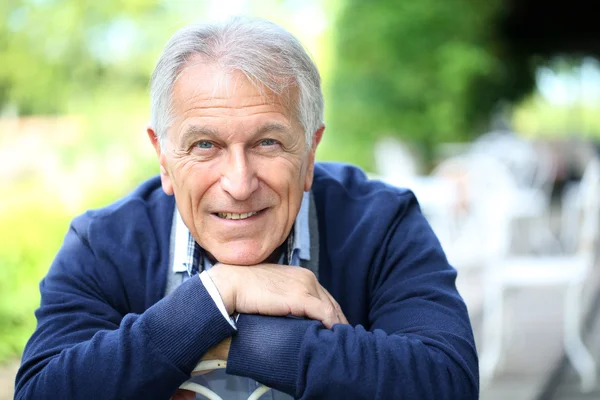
223	280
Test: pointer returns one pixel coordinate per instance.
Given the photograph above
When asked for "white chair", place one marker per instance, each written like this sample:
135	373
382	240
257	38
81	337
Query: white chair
394	160
570	270
534	199
475	228
534	171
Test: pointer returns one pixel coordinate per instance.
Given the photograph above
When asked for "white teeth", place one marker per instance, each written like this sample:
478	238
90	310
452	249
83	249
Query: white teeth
236	215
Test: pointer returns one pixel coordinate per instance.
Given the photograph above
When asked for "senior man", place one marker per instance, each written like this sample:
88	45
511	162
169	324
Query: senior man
305	277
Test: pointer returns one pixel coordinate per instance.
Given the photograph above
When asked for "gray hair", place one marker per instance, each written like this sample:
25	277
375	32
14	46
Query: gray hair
268	55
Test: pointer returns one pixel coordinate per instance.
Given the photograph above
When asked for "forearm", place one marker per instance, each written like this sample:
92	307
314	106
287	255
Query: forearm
305	360
353	362
147	355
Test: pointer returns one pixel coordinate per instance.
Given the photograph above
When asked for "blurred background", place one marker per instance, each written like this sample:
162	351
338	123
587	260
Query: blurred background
488	111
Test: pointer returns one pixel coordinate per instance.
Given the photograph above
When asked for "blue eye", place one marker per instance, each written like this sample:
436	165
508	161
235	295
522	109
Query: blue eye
268	142
204	144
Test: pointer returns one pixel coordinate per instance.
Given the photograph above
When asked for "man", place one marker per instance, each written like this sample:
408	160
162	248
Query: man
312	279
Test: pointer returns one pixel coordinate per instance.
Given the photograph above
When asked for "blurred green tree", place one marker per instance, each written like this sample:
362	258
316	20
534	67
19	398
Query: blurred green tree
424	71
55	52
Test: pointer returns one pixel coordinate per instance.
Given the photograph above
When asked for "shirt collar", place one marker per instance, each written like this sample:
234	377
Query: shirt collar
183	251
186	257
301	230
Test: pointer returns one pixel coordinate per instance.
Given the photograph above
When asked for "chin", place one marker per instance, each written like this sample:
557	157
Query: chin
239	256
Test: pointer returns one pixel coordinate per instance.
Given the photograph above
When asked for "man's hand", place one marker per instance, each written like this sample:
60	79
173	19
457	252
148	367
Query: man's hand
219	351
278	290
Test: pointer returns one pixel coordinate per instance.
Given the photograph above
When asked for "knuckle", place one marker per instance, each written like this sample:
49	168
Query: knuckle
296	309
337	307
306	275
330	312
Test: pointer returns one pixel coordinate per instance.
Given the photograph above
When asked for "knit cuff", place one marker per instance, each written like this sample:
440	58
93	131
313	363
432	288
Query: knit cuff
186	324
267	350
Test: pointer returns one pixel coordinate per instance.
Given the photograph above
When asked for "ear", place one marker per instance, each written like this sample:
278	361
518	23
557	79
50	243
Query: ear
165	178
310	168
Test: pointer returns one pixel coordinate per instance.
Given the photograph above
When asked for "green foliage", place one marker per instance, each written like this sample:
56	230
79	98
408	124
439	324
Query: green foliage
32	226
55	51
106	158
30	234
425	71
537	118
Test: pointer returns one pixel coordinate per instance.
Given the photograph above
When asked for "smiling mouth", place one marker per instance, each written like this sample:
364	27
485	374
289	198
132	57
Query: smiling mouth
226	215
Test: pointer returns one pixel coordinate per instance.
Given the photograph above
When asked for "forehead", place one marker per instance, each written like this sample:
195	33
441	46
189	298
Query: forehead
202	85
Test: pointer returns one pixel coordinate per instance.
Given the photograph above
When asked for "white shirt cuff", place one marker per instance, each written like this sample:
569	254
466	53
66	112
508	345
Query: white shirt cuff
214	293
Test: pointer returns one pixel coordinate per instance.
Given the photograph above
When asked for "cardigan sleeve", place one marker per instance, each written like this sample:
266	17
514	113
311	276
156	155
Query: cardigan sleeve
88	346
417	343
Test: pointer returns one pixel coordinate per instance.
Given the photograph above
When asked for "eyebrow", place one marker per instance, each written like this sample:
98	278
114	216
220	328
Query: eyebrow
270	127
193	131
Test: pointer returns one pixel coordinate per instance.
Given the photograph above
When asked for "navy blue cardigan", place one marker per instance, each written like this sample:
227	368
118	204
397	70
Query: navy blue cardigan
106	332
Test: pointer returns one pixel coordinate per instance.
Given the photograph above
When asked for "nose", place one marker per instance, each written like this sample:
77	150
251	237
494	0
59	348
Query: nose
239	177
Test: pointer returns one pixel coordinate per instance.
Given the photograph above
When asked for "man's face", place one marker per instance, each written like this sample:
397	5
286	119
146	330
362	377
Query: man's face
237	163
